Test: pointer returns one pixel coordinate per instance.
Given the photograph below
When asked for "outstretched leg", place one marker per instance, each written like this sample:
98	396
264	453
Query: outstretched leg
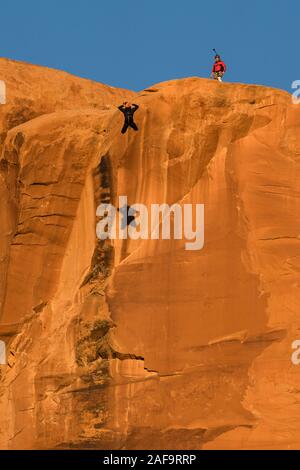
133	125
124	128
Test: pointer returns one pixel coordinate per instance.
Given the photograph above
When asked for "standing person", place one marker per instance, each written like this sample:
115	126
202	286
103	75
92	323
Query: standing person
219	68
128	110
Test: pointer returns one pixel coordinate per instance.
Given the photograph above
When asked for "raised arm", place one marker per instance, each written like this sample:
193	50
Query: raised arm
135	106
121	108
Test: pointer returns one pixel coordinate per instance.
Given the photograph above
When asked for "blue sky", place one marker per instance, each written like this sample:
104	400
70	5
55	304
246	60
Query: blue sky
136	43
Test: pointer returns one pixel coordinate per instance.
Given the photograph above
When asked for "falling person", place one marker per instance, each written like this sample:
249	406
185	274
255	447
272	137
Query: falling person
128	110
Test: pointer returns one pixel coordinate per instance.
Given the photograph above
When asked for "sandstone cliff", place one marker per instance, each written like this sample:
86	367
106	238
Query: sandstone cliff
142	344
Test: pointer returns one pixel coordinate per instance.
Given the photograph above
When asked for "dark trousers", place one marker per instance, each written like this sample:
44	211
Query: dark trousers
129	122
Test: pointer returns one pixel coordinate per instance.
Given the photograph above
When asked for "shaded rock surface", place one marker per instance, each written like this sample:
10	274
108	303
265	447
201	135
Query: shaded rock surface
139	343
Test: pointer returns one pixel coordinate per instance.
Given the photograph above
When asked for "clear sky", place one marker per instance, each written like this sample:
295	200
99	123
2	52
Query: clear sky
136	43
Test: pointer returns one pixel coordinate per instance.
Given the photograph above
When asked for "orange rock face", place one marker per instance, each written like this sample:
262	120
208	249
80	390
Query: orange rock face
138	344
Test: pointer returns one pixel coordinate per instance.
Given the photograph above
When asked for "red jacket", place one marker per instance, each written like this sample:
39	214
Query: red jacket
219	66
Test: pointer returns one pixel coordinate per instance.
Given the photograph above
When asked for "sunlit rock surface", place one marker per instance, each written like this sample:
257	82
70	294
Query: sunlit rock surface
141	343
